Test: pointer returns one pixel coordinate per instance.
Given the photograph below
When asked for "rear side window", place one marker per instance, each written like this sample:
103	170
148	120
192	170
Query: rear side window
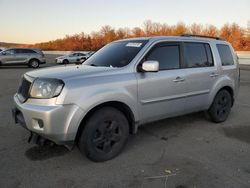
225	54
30	51
197	55
167	56
24	51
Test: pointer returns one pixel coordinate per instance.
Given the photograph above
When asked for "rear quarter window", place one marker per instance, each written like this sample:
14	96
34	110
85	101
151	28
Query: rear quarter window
225	54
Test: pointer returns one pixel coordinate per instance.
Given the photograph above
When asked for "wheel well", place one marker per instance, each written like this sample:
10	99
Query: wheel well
230	90
115	104
33	59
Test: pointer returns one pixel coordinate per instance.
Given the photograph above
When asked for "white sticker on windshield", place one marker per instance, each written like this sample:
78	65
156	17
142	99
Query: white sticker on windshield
134	44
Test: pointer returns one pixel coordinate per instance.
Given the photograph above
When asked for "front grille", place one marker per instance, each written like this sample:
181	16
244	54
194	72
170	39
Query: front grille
23	91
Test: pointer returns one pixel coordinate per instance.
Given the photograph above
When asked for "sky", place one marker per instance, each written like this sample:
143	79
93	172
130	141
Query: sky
33	21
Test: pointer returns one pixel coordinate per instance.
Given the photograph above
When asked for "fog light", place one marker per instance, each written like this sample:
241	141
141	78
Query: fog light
40	123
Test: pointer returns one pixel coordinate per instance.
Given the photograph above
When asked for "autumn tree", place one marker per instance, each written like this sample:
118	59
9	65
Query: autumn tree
238	36
234	34
196	29
210	30
180	29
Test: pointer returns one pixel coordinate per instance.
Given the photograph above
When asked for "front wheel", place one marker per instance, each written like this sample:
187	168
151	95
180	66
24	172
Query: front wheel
104	135
65	62
221	106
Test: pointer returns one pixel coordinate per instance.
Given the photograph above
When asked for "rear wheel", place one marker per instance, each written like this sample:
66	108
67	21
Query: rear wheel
221	106
104	135
34	63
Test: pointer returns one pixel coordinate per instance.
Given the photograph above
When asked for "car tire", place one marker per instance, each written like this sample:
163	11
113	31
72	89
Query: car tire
104	135
34	63
221	106
65	61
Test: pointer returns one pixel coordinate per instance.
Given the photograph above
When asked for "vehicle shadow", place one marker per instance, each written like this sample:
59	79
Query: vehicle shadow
163	130
40	153
25	67
169	128
14	67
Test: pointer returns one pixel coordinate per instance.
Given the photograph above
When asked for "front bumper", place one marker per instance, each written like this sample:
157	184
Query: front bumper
59	61
58	123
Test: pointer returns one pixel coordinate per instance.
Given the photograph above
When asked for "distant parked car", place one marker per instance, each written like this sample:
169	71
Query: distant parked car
22	56
88	56
75	57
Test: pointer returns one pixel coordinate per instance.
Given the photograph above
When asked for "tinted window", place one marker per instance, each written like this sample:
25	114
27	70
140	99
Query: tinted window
167	56
197	55
225	54
20	51
9	52
116	54
29	51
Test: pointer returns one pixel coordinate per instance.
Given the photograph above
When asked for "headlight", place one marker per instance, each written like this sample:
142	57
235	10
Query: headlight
46	88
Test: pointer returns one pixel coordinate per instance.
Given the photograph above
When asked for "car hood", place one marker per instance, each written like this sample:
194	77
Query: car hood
69	72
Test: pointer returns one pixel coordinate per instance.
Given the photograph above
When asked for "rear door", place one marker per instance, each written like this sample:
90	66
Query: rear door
201	74
73	57
22	55
162	94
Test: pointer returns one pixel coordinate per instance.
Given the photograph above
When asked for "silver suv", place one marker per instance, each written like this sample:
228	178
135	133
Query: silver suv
125	84
22	56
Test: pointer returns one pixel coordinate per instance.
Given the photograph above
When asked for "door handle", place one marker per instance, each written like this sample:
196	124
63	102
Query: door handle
214	75
179	79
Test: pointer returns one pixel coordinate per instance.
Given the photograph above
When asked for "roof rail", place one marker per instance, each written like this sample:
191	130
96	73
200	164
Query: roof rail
202	36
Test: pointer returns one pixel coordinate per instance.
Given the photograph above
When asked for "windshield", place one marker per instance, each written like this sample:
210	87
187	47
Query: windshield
116	54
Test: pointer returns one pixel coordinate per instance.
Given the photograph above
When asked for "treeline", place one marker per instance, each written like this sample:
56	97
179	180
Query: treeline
238	36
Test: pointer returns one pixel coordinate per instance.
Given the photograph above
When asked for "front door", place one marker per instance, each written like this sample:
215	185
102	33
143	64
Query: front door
162	94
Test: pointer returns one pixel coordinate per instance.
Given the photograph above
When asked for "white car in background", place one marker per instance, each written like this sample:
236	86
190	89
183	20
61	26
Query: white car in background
75	57
1	49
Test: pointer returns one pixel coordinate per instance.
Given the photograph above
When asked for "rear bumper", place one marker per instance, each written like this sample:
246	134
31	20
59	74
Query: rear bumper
43	61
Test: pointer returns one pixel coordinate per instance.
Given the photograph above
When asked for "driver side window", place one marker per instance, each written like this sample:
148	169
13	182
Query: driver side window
168	56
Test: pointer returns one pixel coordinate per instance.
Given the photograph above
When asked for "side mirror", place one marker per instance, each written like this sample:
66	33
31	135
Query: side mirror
150	66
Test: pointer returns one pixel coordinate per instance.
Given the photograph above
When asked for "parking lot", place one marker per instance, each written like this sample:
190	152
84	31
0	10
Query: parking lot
182	152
